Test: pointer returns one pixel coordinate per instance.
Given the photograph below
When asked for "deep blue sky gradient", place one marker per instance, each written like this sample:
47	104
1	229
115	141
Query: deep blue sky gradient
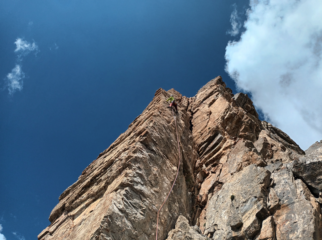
112	56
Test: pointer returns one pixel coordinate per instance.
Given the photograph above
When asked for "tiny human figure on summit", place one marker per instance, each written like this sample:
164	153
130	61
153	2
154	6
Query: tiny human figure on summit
172	102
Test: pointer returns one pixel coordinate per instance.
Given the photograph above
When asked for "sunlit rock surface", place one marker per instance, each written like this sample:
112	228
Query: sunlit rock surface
118	195
184	231
240	178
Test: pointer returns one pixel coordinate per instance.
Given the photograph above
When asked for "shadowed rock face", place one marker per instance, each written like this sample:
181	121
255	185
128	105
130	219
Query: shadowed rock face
240	178
309	168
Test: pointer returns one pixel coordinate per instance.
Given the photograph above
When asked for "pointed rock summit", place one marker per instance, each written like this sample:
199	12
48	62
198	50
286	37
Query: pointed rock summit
239	177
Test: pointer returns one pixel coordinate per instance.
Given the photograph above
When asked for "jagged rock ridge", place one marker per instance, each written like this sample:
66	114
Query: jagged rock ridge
240	178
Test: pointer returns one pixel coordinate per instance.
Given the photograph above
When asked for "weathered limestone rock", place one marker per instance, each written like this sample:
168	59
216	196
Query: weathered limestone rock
309	168
264	148
268	230
244	102
273	201
314	147
217	118
280	146
237	210
299	216
241	155
229	137
220	124
183	231
118	195
240	178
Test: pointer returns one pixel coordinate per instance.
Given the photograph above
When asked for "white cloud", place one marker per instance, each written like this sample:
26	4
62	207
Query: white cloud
2	237
235	22
19	237
24	48
14	79
278	60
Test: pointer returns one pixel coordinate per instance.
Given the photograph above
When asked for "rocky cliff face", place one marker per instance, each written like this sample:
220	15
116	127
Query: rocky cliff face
239	178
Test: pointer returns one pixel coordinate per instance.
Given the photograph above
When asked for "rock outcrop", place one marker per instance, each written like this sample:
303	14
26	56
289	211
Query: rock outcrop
117	196
183	231
236	212
240	178
309	168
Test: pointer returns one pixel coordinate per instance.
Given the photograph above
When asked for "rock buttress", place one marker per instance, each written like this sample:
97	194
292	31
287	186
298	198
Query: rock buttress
253	180
118	195
241	178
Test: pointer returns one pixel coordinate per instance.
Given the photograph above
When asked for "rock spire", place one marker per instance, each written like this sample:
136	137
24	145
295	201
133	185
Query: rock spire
240	178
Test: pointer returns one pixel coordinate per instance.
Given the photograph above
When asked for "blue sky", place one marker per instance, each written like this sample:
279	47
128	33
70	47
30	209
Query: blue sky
94	67
75	74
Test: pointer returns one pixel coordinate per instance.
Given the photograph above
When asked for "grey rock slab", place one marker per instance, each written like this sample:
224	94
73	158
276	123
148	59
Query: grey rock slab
268	230
239	216
183	231
313	147
309	168
273	201
264	148
299	216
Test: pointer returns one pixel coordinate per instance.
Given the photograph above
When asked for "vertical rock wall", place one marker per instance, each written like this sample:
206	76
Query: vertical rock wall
240	178
118	195
250	175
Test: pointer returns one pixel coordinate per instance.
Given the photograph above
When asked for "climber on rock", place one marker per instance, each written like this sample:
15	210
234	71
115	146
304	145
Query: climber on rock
172	102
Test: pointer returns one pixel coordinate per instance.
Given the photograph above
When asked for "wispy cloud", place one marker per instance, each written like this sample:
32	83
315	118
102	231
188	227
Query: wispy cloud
14	79
23	47
278	59
18	236
2	237
235	22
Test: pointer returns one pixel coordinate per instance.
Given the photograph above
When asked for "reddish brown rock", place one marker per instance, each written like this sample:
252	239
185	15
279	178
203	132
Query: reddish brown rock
280	146
235	182
118	195
244	102
229	137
